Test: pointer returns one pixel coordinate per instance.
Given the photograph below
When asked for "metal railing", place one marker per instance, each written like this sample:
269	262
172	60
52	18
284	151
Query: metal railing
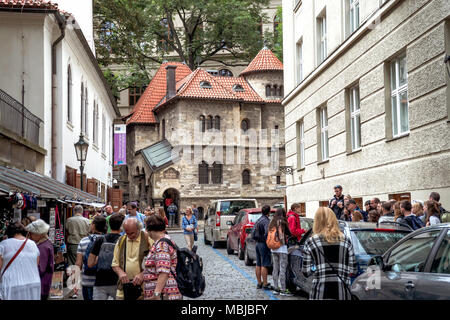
18	119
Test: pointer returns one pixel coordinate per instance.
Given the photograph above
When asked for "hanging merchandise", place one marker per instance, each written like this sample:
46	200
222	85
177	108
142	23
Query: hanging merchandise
51	232
59	232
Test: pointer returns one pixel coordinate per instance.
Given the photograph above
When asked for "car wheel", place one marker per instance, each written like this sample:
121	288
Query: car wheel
247	260
204	237
240	251
229	250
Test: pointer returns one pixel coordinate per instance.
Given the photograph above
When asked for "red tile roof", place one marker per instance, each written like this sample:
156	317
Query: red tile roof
188	86
42	4
265	60
155	92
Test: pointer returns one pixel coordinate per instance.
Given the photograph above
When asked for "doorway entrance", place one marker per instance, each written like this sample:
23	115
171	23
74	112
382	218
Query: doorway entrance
172	195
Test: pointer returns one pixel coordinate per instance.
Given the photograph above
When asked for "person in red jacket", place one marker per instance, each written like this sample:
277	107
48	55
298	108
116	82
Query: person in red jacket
293	217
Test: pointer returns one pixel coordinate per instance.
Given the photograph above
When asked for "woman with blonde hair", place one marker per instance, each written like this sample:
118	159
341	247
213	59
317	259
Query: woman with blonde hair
417	209
189	225
328	256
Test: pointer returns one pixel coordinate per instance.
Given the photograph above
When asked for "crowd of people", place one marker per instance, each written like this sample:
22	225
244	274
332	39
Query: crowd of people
119	256
328	255
415	214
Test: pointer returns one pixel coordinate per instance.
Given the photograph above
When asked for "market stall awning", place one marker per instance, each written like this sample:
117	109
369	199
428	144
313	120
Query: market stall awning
15	180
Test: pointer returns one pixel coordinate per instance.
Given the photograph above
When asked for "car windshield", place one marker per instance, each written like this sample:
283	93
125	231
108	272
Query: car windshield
253	217
233	207
374	242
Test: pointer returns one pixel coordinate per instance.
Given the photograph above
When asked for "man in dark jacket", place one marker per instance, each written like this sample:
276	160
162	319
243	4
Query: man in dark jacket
337	202
263	253
410	218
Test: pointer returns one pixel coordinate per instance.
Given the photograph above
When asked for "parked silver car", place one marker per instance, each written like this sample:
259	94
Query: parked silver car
415	268
218	214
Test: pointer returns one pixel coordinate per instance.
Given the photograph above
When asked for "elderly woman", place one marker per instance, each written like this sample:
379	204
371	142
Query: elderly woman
189	224
160	264
38	233
19	260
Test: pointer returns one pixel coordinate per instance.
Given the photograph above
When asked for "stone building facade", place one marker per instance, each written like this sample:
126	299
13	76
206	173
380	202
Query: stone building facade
209	120
368	99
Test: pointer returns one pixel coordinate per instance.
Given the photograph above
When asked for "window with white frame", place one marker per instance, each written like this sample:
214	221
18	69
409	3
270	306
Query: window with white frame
82	109
322	38
354	15
103	134
399	96
69	94
324	134
301	144
355	118
299	55
86	112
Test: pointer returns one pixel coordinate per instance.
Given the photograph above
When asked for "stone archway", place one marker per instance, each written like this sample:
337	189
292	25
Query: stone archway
173	194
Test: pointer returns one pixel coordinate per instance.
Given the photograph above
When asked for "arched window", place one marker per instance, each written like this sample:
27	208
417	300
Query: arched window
209	123
246	177
163	129
69	94
268	90
82	109
137	170
245	125
216	174
203	174
238	88
225	73
274	90
86	113
202	123
217	123
281	91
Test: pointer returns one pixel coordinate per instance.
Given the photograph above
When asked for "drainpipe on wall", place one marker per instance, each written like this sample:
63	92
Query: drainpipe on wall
54	146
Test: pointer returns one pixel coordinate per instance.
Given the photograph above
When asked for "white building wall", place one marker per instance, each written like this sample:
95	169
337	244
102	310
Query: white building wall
26	42
417	163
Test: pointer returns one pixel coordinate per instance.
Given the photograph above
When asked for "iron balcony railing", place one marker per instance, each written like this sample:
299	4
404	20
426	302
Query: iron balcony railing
18	119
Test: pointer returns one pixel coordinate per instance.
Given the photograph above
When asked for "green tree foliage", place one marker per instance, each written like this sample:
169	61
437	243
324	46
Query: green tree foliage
278	36
139	33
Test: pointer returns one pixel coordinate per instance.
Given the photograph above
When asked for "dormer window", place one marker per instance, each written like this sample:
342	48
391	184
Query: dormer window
205	85
238	88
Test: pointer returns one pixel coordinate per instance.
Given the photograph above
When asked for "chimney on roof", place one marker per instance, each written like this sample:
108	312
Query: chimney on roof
170	80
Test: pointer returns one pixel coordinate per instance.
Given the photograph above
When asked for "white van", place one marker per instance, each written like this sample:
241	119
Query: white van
219	213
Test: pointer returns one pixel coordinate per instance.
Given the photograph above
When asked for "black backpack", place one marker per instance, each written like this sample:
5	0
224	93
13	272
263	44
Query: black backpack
189	277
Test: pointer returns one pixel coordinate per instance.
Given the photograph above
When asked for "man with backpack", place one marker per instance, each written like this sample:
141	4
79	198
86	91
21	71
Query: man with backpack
88	275
102	255
410	218
263	253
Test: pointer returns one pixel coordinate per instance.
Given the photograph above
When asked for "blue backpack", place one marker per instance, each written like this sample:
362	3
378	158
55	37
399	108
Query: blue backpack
414	222
89	271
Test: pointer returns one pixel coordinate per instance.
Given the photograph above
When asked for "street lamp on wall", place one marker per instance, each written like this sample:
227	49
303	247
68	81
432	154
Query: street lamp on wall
81	149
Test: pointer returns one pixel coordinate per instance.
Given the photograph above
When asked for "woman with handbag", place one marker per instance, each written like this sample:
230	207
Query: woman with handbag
160	264
189	224
38	233
329	258
19	260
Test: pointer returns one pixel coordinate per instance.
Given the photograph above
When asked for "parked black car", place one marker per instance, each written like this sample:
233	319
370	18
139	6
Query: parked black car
368	239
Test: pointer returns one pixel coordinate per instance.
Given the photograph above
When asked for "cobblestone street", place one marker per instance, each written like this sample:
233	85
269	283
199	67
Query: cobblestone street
227	277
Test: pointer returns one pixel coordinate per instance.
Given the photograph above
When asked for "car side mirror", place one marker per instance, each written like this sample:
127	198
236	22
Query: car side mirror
377	261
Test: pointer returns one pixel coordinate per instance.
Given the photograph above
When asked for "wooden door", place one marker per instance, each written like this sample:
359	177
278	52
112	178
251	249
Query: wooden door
400	196
115	198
